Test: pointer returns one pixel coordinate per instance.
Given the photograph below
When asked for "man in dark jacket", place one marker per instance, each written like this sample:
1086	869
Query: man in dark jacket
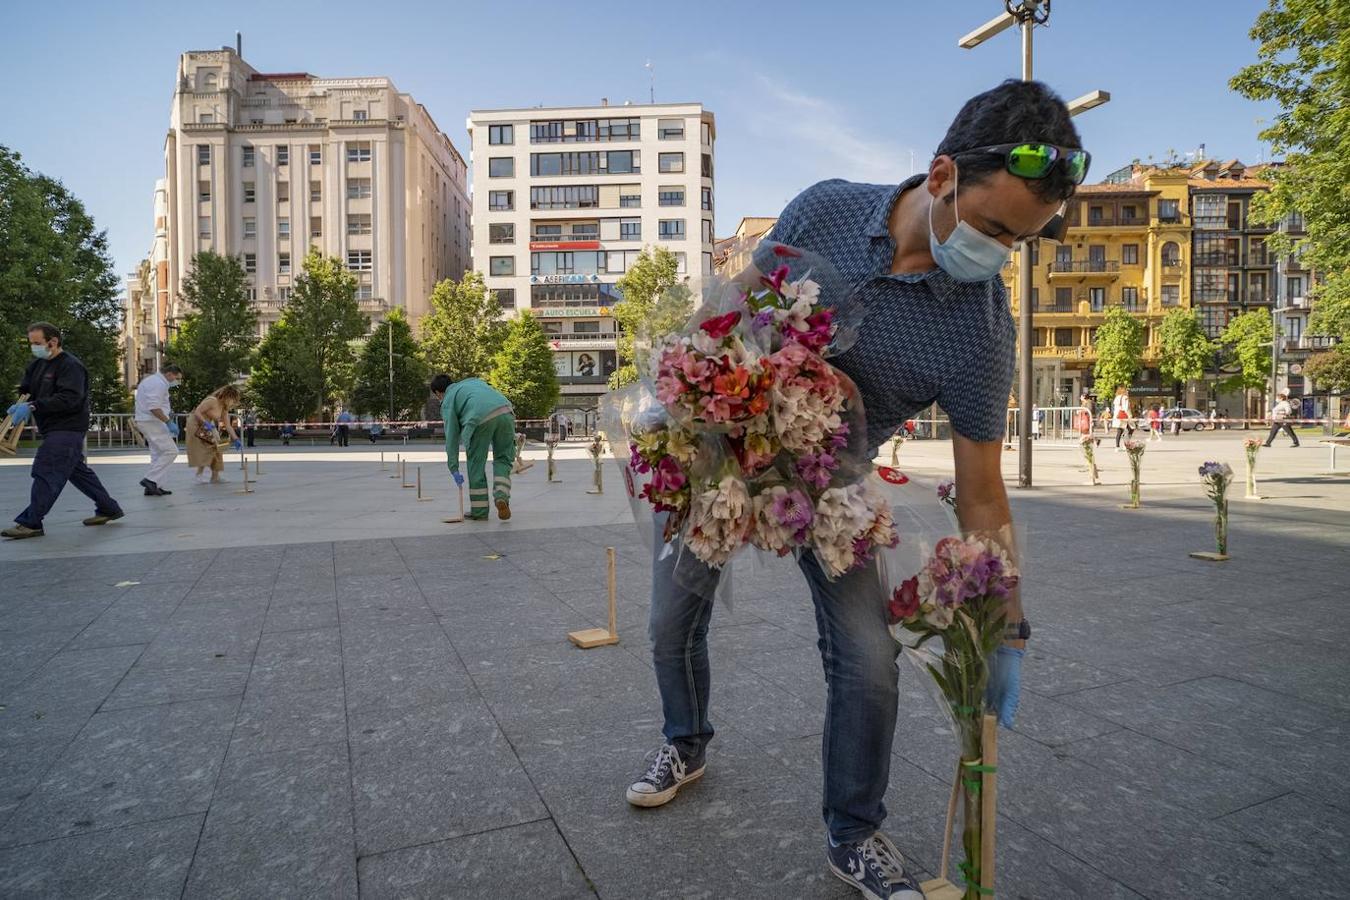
57	385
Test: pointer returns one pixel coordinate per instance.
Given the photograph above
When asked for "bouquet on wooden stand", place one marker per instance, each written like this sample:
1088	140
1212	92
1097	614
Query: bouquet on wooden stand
597	450
1135	450
1088	443
1252	446
1217	476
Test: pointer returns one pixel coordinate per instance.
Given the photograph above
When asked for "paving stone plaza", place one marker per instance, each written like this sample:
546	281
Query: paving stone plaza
321	690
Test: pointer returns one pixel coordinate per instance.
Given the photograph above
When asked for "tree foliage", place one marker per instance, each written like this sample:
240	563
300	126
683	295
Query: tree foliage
1330	370
371	391
326	319
465	329
215	343
1247	337
1303	64
655	302
280	385
55	267
523	369
1120	351
1186	350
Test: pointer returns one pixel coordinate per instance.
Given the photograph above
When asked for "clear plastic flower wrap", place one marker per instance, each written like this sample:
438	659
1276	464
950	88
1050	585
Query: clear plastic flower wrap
740	433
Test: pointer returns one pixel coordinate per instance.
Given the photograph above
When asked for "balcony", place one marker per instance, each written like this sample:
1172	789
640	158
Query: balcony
1172	269
372	305
1062	352
1105	268
1107	220
1069	307
1308	342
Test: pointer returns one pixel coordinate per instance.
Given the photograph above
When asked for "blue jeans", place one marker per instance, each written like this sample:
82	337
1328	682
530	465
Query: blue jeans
859	657
60	458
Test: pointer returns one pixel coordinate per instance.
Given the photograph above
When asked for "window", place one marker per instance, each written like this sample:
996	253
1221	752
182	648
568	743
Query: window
707	165
621	162
358	188
284	294
1129	254
203	154
506	297
502	265
708	231
1294	287
283	192
618	261
249	157
502	167
1063	337
589	230
548	231
315	154
1063	299
667	163
670	129
670	196
283	155
552	327
1063	258
283	228
501	233
204	227
358	115
585	327
250	262
358	223
1171	253
589	162
250	192
568	262
1171	295
365	292
671	229
1130	297
501	134
707	264
705	133
1169	210
620	129
1294	222
1129	213
316	226
501	200
204	190
358	151
707	203
315	191
359	261
630	229
283	264
1097	296
585	196
630	201
250	227
681	263
1094	215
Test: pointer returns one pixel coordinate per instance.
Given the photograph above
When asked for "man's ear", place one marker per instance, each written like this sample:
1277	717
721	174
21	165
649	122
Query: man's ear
941	173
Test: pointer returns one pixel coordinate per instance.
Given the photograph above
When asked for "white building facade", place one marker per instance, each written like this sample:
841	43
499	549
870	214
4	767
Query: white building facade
564	201
145	304
266	166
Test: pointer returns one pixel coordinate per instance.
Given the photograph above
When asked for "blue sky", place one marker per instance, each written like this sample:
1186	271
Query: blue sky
802	91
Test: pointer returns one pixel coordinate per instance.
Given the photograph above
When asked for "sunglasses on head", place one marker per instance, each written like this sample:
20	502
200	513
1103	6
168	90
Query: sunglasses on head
1035	160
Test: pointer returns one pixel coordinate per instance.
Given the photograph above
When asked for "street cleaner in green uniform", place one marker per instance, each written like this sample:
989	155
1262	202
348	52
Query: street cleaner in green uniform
481	418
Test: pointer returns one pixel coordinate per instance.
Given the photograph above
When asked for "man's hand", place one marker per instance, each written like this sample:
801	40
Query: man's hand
235	445
173	429
20	411
1005	683
459	479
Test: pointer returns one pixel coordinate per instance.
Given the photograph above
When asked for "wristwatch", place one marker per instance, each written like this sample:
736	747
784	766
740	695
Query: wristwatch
1019	632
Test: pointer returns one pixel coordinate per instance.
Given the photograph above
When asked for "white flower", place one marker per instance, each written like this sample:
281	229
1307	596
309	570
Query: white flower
799	313
802	288
719	521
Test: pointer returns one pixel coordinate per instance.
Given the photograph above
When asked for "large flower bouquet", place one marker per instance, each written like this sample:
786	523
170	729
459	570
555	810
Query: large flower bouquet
745	435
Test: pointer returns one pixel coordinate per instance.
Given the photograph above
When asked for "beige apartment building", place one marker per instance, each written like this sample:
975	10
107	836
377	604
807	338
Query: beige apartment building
146	302
266	165
565	199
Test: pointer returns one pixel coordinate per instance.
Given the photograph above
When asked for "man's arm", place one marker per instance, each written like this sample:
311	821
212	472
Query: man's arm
69	392
451	420
982	501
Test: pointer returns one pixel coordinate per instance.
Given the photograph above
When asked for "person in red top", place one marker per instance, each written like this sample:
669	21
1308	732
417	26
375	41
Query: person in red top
1154	423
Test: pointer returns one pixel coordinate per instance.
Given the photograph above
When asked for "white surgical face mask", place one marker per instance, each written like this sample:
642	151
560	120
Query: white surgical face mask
40	350
174	384
968	254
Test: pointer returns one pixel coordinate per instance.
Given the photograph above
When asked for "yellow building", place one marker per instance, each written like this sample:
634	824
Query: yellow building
1128	244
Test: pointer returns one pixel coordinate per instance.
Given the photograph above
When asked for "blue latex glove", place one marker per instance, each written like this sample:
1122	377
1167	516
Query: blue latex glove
173	428
235	445
20	411
459	479
1005	683
210	427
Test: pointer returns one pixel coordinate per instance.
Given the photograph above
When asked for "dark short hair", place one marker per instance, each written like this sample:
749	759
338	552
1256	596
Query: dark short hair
1013	111
170	369
440	382
49	331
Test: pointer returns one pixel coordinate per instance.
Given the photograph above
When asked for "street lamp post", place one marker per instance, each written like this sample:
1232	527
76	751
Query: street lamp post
1026	14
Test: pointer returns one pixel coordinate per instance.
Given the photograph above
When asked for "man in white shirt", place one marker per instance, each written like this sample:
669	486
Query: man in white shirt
154	418
1279	418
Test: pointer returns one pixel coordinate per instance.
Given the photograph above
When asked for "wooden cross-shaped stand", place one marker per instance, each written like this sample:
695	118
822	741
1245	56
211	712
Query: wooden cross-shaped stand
602	637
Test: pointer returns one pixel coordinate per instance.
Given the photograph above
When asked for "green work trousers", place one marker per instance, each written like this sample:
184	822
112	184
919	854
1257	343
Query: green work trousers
497	434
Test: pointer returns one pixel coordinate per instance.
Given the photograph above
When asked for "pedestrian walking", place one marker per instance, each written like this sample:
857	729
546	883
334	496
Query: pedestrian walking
1083	417
376	429
481	418
1037	421
154	418
250	423
57	385
1155	423
1280	415
344	428
287	432
1122	419
208	420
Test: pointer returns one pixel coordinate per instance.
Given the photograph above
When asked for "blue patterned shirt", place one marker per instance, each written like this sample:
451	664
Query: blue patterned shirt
926	337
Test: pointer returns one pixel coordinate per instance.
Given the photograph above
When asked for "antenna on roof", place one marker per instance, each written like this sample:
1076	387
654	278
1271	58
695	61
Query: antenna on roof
239	44
651	71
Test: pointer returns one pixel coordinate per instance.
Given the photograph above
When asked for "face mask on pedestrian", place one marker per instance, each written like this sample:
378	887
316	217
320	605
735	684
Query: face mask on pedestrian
174	384
41	351
968	254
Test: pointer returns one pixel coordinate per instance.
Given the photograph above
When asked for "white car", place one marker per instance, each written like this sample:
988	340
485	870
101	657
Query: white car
1190	419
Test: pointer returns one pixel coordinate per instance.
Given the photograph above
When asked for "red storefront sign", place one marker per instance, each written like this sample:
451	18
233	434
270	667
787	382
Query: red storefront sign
564	245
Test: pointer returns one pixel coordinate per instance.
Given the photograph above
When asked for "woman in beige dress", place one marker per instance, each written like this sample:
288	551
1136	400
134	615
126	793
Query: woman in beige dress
211	417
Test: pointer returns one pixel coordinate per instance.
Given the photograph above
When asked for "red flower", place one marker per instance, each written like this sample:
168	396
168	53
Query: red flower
720	326
775	281
904	602
785	250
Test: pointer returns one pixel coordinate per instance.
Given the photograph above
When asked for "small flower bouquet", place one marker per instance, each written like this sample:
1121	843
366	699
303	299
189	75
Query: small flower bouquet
1088	444
960	597
1251	446
596	448
1135	450
1217	476
946	494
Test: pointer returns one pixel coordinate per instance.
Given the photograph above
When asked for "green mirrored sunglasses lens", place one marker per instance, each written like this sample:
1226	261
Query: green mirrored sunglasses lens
1031	160
1077	163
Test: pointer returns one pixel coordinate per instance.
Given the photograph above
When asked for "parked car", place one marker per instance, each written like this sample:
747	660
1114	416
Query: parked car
1190	419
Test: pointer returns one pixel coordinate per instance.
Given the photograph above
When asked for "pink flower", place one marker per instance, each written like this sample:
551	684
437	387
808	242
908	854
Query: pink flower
719	327
697	369
635	459
815	468
783	250
775	280
668	476
794	510
904	601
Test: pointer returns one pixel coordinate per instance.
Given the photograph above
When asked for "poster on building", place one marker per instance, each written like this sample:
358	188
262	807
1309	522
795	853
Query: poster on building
562	365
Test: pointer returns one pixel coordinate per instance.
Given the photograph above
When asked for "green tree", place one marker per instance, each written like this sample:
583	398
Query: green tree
326	319
655	302
1120	351
55	267
465	329
215	343
1330	370
1247	337
280	384
1303	64
392	340
1186	350
523	369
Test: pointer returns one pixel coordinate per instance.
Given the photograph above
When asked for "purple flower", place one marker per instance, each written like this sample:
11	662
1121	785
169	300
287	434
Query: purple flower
815	468
839	440
636	461
794	510
946	489
763	319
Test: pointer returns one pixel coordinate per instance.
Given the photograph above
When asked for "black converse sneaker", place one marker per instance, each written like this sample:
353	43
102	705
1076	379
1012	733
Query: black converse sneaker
664	778
874	867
